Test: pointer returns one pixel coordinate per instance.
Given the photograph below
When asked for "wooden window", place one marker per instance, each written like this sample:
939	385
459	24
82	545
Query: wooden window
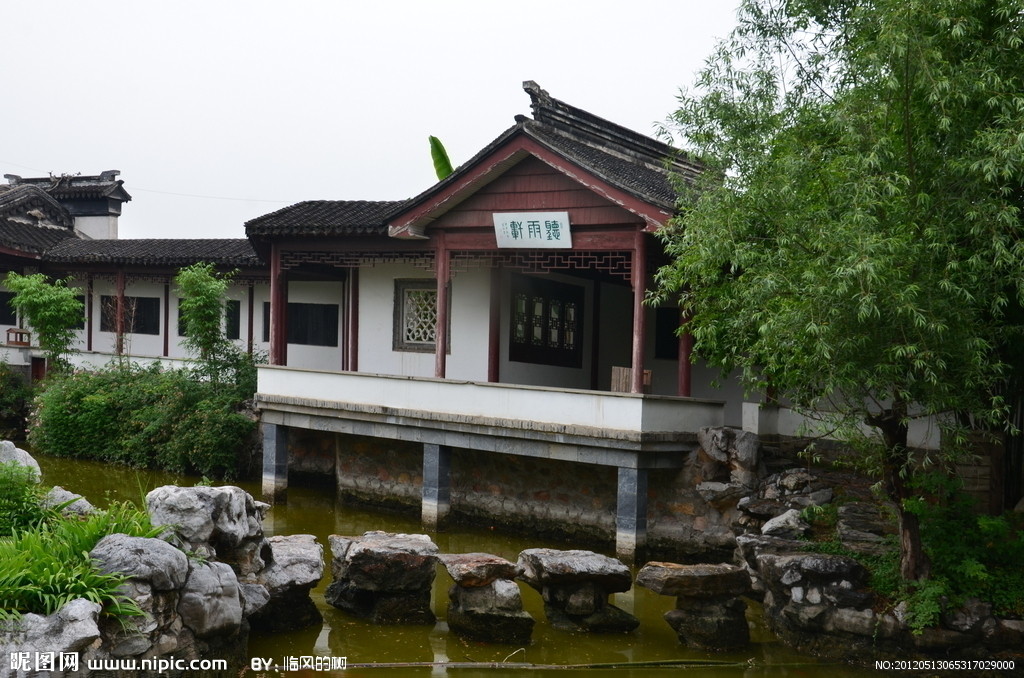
141	314
415	315
233	320
547	322
308	324
7	314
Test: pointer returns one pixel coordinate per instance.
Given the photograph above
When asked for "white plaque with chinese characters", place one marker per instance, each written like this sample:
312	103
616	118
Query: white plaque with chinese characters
532	229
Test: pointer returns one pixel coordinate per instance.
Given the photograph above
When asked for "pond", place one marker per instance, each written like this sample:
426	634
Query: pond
399	651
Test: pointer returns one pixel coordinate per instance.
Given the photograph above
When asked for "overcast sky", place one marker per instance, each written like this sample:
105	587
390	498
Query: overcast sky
216	112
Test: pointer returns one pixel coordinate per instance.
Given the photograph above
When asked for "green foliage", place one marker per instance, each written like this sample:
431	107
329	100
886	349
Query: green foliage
15	396
218	359
442	165
143	417
53	310
857	243
20	499
44	561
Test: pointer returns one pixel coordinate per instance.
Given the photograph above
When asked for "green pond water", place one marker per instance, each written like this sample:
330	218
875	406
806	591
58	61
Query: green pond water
398	651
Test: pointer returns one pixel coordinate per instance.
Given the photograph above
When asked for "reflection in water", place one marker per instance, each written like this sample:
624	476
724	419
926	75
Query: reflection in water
313	510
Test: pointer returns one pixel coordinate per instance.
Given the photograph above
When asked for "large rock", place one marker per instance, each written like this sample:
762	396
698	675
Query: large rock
736	453
210	601
575	586
296	566
71	629
789	525
492	612
543	567
222	522
74	504
694	581
10	453
153	561
383	577
478	569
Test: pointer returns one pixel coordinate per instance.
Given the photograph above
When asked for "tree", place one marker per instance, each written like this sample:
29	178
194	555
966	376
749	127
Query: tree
52	309
856	242
203	292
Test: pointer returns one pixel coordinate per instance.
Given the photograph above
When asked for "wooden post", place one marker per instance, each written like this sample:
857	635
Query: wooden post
278	309
119	310
88	313
639	280
441	330
250	326
352	322
685	364
494	328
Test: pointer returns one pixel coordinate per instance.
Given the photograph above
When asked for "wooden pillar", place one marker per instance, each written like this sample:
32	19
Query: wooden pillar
278	309
352	322
250	308
494	328
441	331
88	313
275	463
167	319
685	364
630	513
119	311
437	485
595	339
639	280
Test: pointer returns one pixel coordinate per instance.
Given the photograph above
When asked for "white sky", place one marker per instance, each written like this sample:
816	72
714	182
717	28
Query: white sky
218	111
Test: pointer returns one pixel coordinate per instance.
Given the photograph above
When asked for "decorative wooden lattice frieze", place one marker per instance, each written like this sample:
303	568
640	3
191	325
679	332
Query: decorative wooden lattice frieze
293	259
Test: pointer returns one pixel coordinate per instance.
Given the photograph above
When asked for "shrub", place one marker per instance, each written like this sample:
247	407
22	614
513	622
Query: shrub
15	396
143	417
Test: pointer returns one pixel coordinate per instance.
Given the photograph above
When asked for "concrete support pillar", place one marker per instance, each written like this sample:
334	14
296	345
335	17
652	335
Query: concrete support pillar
275	463
437	484
631	513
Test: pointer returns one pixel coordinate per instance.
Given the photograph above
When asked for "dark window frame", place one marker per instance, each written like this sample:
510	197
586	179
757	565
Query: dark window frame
8	316
142	314
304	326
546	322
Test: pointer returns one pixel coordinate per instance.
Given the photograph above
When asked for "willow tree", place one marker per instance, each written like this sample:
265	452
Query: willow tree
857	243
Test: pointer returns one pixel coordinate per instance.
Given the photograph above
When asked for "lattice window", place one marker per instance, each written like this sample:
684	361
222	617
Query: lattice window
546	322
415	327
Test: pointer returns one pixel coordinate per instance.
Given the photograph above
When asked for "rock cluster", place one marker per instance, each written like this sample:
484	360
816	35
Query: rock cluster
275	575
575	586
709	612
485	603
383	577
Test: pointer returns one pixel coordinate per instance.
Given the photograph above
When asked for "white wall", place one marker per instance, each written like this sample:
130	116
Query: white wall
317	357
469	318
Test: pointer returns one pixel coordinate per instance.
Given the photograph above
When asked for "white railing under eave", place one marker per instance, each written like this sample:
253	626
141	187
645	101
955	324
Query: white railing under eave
565	407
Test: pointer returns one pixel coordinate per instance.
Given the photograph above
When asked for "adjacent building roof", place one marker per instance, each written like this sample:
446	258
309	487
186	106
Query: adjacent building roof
155	252
326	217
77	187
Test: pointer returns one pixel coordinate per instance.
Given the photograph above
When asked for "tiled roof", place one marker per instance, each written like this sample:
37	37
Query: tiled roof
20	199
77	187
326	217
157	252
31	238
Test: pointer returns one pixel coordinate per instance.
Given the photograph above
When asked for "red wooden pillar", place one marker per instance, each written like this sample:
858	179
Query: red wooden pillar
167	319
441	331
278	309
250	308
685	352
639	280
119	310
352	322
494	329
88	313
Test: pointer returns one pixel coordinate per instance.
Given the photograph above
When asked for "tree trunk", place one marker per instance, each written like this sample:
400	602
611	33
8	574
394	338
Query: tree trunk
896	477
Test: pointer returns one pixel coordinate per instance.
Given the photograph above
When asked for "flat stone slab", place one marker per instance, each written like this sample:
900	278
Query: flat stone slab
473	570
384	561
542	567
694	581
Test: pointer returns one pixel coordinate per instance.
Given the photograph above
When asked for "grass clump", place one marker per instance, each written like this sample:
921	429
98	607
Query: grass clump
44	555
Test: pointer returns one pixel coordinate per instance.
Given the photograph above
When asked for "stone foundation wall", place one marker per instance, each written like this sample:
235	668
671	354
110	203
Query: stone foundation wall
536	495
379	471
